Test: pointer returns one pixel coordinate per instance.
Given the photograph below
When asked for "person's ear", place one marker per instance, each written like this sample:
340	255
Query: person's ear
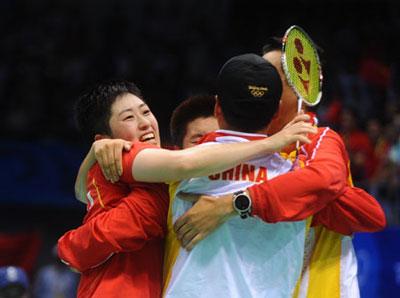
100	137
217	108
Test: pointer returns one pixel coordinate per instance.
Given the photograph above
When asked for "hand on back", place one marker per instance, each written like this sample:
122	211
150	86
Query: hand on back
108	153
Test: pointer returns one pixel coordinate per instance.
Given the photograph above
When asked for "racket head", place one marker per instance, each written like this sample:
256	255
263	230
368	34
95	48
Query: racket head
301	64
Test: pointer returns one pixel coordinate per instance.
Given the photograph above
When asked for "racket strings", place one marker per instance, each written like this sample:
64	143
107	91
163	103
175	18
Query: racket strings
302	65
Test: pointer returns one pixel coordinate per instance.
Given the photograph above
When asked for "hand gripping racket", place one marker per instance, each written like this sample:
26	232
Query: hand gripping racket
302	67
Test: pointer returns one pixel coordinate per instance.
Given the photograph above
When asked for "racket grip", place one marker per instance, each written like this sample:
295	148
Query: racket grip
299	102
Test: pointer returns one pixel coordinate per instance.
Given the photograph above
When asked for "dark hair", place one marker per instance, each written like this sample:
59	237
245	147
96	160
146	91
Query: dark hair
275	43
197	106
93	108
272	44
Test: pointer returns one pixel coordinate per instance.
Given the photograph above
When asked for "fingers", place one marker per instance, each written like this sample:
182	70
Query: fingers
187	234
303	139
108	154
299	118
303	127
187	237
189	197
109	165
117	164
192	243
179	223
307	128
103	160
127	146
301	132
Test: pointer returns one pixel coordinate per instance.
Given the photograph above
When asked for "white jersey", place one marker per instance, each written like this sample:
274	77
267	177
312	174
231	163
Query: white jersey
243	257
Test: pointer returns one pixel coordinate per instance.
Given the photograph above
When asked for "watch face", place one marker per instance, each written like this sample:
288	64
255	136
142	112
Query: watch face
242	202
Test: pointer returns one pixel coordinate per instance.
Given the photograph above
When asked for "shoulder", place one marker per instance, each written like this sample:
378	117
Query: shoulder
136	148
326	133
129	156
325	138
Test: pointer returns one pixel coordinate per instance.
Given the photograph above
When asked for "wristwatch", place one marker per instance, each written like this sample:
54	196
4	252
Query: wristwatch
241	203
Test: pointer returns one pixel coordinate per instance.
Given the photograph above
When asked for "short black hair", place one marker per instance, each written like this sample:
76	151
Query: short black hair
272	44
93	108
196	106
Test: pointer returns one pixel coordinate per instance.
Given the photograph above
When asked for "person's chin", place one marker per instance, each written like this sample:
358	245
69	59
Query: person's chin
152	142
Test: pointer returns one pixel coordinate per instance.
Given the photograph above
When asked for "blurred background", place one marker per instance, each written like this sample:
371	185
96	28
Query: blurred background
51	51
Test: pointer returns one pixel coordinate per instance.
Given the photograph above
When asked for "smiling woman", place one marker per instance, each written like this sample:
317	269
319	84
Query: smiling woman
132	120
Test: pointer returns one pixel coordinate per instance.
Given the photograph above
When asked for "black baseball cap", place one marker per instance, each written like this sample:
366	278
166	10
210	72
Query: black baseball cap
247	84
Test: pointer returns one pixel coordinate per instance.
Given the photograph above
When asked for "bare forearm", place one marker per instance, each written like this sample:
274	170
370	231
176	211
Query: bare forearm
154	165
80	182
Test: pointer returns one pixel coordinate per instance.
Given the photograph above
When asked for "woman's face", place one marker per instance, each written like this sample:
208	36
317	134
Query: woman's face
132	120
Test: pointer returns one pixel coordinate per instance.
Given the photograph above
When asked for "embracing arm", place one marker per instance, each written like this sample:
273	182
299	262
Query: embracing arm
320	189
158	165
80	182
139	217
354	211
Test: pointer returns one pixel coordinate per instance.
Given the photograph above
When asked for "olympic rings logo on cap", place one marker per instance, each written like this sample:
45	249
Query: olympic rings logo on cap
257	91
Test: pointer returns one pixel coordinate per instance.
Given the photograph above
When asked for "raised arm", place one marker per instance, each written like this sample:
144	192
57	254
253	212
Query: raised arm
139	217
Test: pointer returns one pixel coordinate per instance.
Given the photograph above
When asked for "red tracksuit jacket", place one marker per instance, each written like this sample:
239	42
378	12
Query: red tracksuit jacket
119	249
321	188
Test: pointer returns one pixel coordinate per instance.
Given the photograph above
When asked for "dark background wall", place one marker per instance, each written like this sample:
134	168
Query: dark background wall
52	50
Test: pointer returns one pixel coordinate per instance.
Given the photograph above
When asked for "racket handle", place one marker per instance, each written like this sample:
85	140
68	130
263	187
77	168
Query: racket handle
299	101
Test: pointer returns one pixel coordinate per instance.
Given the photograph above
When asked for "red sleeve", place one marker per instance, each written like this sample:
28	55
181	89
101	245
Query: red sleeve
129	157
139	217
353	211
299	194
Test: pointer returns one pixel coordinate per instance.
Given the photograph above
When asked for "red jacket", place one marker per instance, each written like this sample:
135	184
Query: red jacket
119	249
321	188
